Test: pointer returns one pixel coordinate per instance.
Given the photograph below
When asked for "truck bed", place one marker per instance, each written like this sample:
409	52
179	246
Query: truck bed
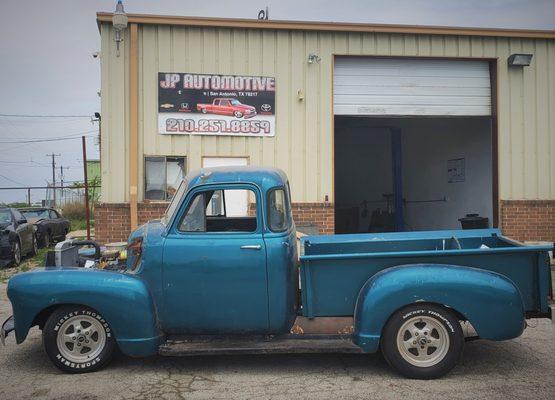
335	267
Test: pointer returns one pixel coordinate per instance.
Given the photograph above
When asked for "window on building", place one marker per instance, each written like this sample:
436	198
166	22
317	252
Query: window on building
163	176
229	210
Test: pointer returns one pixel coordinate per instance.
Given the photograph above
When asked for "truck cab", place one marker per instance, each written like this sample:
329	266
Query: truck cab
236	231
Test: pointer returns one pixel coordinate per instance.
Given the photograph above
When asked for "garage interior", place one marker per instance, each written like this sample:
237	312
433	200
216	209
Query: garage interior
413	144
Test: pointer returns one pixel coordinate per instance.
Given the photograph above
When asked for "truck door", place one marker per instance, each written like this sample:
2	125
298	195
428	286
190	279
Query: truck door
215	264
225	108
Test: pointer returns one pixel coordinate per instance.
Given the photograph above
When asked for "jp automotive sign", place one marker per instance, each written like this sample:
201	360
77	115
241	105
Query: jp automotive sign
198	104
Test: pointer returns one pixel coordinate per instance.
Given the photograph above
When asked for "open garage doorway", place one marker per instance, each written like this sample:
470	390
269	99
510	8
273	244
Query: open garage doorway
414	143
443	167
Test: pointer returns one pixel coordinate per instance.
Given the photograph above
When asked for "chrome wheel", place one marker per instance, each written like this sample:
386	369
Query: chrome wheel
35	245
81	338
46	239
16	253
423	341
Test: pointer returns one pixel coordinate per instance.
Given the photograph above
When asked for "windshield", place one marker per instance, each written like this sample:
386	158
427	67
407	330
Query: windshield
235	102
5	216
175	202
35	214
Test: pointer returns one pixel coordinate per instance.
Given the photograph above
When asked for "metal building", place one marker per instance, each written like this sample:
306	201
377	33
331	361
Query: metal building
378	127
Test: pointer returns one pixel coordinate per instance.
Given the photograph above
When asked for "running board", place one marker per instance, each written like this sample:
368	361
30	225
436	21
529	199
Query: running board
280	344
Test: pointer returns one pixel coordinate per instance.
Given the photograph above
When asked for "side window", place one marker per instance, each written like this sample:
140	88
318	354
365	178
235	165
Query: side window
279	214
163	176
53	214
224	103
229	210
194	220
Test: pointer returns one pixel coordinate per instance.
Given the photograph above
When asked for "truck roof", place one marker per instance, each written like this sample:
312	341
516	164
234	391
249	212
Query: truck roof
265	178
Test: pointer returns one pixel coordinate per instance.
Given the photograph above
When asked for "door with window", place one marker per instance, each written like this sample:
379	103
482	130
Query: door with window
215	264
57	224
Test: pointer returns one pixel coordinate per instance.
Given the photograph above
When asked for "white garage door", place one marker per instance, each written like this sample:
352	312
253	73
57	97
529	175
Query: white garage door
400	86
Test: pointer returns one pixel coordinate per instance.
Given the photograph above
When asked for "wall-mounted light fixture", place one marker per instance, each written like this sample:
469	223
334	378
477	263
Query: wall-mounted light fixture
119	21
519	60
312	58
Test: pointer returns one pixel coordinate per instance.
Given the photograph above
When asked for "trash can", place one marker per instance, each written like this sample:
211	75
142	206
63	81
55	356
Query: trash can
474	221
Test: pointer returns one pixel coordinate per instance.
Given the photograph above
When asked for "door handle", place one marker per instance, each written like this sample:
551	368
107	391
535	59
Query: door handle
251	247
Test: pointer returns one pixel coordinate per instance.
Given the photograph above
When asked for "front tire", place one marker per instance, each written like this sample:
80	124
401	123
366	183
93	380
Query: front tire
422	341
16	253
238	114
78	339
46	239
34	247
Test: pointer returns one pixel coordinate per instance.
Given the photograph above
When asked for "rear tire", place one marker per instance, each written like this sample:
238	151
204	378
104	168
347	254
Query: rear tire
422	341
78	339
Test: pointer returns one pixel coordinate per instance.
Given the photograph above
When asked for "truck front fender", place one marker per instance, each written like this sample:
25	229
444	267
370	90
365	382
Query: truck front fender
123	300
490	301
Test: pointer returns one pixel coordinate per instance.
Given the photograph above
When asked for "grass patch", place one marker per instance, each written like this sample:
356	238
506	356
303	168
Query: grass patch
79	224
27	264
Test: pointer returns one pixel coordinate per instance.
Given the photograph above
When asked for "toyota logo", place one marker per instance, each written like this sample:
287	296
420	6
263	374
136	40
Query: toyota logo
265	107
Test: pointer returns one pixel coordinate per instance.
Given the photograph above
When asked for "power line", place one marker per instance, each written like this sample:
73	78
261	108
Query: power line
44	116
11	180
38	140
23	162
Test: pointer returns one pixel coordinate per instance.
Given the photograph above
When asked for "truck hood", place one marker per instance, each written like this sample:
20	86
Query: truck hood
152	229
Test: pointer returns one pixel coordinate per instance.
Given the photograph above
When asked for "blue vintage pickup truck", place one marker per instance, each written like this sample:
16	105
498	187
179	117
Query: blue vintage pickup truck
220	274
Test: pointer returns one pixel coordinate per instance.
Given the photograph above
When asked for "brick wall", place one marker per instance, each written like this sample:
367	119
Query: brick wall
528	219
319	215
112	220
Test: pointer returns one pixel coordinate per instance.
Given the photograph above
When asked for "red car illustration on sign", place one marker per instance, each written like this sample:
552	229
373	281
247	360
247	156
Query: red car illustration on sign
224	106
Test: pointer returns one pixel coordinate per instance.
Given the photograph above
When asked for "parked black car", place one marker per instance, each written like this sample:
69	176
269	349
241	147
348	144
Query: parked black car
51	226
17	237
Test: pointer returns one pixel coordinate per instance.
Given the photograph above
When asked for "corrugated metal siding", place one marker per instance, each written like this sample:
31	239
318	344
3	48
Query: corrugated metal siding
409	86
303	145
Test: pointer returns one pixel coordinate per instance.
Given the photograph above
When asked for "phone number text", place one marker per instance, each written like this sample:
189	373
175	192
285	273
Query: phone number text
217	126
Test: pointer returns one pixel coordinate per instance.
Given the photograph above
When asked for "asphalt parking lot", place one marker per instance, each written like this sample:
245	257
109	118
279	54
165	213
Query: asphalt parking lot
516	369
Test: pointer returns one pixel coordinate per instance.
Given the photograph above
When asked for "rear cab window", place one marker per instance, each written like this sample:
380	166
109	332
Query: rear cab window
279	212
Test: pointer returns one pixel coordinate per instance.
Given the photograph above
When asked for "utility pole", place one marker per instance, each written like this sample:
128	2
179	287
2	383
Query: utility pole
62	183
86	182
54	174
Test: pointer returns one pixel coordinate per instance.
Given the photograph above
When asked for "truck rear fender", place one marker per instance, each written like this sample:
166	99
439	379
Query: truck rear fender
123	300
489	301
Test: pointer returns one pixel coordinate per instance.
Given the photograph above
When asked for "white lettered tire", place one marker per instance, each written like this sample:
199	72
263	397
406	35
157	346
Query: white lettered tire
422	341
78	339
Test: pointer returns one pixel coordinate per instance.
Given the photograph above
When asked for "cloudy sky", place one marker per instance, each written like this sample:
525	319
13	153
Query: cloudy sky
47	68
